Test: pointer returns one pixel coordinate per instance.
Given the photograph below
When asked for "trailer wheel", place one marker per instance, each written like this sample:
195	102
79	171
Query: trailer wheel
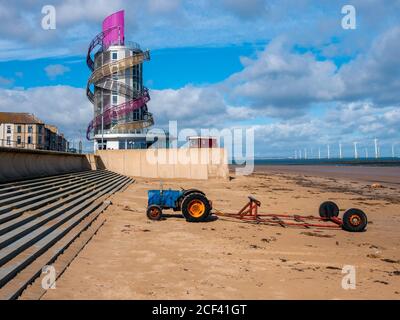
328	209
154	212
195	207
354	220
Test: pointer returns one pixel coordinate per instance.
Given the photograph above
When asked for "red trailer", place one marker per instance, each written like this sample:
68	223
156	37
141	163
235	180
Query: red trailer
353	220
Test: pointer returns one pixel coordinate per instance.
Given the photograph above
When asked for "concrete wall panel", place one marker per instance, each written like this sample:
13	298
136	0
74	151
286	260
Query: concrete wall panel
166	163
17	164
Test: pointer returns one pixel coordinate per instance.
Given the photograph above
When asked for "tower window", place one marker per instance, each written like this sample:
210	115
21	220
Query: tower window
114	55
114	99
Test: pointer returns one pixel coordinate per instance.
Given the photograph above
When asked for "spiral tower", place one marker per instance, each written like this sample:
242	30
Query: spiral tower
115	88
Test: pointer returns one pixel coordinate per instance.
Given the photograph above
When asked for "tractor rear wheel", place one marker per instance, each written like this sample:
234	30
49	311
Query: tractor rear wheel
195	207
354	220
154	212
328	209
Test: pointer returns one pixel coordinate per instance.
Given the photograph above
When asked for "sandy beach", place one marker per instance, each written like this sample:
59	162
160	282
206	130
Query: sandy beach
133	258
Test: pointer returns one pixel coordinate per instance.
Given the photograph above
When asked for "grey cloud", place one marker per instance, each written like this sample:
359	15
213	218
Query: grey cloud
249	9
164	6
375	75
5	82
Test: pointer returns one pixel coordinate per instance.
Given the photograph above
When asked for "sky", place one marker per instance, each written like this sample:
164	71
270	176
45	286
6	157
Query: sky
287	69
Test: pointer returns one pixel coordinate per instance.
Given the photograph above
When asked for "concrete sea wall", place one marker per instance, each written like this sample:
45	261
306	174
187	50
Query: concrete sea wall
18	164
167	163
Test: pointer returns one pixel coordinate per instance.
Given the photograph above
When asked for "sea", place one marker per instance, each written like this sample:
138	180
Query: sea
380	162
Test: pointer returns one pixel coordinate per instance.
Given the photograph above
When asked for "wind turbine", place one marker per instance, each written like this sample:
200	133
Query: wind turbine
329	151
340	150
355	150
376	148
319	153
366	153
393	150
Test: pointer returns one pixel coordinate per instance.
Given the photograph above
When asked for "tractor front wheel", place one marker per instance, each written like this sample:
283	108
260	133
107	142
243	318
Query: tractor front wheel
196	207
154	212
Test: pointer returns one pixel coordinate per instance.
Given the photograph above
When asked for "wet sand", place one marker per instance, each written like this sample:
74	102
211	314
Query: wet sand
134	258
389	175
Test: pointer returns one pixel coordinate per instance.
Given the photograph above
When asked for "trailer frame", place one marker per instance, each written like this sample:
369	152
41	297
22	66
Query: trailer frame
249	213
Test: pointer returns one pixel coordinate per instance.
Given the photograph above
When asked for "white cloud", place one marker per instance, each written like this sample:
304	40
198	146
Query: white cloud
55	70
364	119
176	23
75	11
346	123
358	100
283	82
191	105
64	106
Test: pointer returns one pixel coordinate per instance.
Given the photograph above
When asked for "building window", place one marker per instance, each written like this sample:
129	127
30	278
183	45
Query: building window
114	55
18	139
122	144
29	139
8	129
114	99
8	140
102	146
30	129
19	129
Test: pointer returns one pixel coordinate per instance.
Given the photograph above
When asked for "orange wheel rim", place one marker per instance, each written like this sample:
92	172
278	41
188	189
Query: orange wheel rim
154	212
355	220
196	208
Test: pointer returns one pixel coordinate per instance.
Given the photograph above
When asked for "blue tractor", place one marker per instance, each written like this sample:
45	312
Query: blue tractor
193	203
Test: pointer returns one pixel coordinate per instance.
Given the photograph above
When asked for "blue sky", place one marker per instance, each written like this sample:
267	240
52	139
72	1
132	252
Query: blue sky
169	68
285	68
